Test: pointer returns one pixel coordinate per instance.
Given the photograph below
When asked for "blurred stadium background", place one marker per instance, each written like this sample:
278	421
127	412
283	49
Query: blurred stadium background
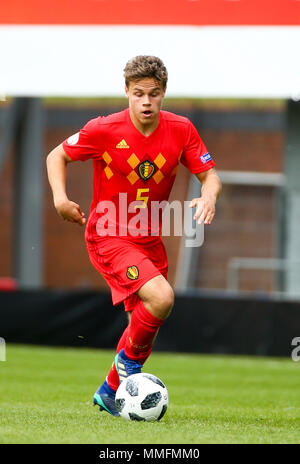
234	72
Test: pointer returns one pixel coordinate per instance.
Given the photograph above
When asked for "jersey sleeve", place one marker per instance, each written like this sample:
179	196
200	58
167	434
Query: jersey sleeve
195	156
86	143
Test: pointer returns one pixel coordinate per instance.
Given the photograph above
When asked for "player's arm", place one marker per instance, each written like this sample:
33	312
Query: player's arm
210	190
57	161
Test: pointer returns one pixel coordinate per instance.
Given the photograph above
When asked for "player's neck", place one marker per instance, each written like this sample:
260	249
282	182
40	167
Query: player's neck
144	129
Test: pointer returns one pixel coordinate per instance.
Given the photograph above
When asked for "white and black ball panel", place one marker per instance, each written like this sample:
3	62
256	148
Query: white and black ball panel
120	403
132	387
163	411
136	417
154	379
151	400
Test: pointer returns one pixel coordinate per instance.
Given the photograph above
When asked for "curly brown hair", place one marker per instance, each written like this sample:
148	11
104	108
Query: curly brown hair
143	66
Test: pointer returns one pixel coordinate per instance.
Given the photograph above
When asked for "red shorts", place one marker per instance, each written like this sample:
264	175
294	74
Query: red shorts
127	266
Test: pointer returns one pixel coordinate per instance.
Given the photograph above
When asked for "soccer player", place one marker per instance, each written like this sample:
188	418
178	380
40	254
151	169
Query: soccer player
135	153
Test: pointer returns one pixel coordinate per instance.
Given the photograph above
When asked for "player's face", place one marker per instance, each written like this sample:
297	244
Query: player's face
145	101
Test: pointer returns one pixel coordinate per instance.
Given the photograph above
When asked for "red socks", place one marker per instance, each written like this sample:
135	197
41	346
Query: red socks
137	339
141	333
113	376
122	340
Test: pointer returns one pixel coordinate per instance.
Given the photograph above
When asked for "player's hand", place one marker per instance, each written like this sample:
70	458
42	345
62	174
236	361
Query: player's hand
70	211
206	208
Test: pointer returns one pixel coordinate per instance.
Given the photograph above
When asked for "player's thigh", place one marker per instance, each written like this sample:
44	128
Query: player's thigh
157	296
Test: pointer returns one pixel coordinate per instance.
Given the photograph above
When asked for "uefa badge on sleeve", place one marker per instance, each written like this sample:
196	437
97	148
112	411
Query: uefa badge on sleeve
205	158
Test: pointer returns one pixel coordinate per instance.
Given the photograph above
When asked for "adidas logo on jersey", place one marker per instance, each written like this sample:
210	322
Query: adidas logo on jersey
122	144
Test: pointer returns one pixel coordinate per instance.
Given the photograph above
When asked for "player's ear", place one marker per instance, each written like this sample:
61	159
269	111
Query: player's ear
126	91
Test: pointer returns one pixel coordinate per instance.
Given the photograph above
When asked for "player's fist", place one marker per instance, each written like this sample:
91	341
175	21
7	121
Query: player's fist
70	211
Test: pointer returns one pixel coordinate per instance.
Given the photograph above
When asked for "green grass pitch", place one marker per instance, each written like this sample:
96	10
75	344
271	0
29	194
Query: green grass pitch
46	397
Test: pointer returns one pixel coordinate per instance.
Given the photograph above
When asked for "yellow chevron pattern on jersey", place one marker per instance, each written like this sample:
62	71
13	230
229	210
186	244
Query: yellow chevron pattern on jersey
132	177
158	177
122	144
108	159
160	161
133	161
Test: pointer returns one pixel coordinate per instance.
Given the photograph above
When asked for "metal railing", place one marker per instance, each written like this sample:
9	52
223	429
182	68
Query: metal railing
236	264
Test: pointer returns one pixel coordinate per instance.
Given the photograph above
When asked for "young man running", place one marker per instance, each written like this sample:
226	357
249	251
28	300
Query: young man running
136	154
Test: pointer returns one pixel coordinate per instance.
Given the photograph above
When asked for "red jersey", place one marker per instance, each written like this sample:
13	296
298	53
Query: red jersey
132	169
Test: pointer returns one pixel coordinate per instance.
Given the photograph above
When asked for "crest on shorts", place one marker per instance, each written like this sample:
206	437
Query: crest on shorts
132	272
146	169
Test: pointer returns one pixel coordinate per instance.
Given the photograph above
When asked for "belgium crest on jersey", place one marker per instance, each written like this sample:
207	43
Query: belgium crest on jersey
132	272
146	170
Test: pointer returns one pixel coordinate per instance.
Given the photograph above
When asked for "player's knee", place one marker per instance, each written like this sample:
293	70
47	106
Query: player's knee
158	297
163	304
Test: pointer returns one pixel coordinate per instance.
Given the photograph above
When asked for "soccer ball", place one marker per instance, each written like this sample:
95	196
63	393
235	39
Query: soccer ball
142	397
